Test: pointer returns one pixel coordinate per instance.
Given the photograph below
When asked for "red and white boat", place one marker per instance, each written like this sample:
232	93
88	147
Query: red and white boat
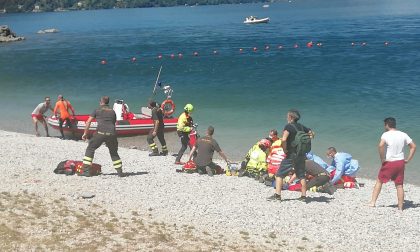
128	123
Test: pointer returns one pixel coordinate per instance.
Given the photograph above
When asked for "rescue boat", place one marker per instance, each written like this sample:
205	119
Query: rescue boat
128	123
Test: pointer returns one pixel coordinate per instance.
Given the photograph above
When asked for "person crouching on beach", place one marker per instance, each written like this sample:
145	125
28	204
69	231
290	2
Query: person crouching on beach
106	133
38	115
63	107
158	130
205	147
393	160
345	168
183	129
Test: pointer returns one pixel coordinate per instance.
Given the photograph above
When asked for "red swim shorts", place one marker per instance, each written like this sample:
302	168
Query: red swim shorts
392	170
38	116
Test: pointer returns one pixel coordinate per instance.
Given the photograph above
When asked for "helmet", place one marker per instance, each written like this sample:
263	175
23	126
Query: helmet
189	108
266	143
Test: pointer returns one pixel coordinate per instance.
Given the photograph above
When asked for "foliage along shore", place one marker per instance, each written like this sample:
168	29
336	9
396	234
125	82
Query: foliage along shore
15	6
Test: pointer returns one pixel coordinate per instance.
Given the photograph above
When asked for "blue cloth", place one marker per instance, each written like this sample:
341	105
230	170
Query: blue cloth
320	161
344	165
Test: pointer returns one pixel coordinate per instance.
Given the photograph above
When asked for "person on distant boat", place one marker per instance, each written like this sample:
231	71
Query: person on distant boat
38	115
106	133
183	128
158	130
63	107
205	147
345	167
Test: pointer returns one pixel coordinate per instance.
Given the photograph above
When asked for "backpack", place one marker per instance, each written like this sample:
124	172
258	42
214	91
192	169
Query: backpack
71	167
302	142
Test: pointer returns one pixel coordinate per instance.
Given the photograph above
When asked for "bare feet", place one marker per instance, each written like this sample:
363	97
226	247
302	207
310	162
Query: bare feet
371	204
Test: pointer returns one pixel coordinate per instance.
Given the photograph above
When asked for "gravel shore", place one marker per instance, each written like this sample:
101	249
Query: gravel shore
183	212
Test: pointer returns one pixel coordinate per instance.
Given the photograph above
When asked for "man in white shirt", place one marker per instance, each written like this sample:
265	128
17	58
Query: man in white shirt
391	152
38	115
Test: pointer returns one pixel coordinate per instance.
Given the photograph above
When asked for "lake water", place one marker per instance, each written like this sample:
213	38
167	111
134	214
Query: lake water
343	91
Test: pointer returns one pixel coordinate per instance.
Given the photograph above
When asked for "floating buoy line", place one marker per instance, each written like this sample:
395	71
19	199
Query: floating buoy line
241	50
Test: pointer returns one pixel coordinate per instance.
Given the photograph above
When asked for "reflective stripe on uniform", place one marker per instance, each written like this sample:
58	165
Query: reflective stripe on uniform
117	164
153	146
87	160
164	147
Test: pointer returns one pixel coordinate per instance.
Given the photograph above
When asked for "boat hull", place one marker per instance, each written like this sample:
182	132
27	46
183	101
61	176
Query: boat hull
257	21
125	128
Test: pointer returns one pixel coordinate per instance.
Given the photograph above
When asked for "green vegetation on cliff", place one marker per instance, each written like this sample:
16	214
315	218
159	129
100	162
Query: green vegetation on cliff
61	5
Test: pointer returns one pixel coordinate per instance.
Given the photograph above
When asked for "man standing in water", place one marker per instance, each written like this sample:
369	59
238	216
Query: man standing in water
106	119
38	115
158	130
294	159
392	160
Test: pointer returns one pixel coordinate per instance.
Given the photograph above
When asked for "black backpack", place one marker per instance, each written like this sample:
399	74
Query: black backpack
302	142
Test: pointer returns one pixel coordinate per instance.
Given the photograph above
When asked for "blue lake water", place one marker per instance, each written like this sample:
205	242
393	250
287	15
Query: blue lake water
343	92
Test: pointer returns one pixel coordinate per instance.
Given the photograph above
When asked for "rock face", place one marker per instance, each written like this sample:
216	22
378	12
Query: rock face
6	35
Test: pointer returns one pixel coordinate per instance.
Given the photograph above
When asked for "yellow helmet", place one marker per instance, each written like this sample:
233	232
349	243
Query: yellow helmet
189	108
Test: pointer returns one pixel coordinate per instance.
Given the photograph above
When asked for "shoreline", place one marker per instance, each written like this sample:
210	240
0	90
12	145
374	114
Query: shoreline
230	209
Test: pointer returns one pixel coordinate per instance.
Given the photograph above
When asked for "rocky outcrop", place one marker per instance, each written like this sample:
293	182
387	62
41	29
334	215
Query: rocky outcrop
6	35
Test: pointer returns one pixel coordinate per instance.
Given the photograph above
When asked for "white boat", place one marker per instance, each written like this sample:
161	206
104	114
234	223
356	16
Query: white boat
256	20
266	6
52	30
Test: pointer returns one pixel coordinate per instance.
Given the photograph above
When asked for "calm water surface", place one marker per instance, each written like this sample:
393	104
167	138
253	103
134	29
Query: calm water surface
343	92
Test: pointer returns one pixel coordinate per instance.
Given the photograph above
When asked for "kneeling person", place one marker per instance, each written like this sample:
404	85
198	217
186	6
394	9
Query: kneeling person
205	147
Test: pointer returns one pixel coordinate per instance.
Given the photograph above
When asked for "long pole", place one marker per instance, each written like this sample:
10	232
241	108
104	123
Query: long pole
157	80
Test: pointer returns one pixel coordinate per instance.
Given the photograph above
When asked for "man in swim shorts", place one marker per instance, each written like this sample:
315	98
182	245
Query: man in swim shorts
391	152
38	115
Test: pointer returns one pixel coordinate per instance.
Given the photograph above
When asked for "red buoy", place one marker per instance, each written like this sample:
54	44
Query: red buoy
103	62
309	44
172	56
195	53
180	55
241	50
296	46
255	49
133	59
159	56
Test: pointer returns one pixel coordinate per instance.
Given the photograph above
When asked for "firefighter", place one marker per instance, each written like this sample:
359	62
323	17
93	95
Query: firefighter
158	130
183	129
106	119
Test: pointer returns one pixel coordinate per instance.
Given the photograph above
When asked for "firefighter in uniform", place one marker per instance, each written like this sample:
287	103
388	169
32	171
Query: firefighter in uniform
106	119
183	129
158	130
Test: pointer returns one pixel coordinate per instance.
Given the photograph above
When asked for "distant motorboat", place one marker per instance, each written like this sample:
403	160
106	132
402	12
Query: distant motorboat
256	20
52	30
266	6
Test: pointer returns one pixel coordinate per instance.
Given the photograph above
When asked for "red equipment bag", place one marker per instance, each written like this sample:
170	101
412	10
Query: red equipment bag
189	167
70	167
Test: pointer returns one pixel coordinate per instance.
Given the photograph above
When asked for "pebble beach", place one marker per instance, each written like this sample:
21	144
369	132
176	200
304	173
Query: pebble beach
155	208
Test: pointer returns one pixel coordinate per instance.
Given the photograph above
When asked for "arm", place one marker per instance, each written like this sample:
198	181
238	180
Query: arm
156	125
284	140
381	149
71	108
339	170
223	156
84	137
191	153
412	146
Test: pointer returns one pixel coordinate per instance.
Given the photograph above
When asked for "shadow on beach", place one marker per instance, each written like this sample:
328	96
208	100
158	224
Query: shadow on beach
407	204
127	174
313	199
